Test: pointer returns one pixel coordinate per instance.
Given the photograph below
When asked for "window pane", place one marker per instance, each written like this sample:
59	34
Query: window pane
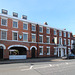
40	38
14	36
25	26
15	24
54	32
40	29
33	38
4	22
3	34
47	50
48	39
47	31
33	28
25	37
40	50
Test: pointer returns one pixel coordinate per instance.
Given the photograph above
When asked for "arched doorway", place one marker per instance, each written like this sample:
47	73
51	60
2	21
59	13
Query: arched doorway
17	52
33	52
1	52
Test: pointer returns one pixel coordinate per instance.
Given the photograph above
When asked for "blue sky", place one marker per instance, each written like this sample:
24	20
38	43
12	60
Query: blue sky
58	13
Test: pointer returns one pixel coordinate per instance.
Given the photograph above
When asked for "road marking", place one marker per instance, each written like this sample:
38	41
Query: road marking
43	66
31	67
67	63
50	65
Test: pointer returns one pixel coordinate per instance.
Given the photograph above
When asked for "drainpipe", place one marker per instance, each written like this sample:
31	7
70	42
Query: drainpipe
37	40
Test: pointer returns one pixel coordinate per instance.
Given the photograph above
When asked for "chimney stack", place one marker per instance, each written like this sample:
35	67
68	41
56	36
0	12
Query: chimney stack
45	23
15	14
4	11
24	17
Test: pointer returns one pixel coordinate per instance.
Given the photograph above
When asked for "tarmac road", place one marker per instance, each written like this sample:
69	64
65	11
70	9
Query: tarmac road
60	67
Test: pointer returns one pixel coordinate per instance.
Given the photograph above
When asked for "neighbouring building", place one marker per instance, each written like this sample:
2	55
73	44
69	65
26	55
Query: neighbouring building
22	39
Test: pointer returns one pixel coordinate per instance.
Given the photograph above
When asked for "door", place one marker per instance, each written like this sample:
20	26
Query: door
1	52
59	52
33	52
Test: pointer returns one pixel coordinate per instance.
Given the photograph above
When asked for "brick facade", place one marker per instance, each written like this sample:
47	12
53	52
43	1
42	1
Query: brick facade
29	44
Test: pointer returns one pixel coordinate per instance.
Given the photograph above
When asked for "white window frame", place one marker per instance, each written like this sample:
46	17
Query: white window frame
42	39
65	42
46	30
49	50
27	25
49	38
56	32
6	33
17	23
27	36
65	34
42	50
6	21
60	33
12	35
35	37
42	29
35	27
55	51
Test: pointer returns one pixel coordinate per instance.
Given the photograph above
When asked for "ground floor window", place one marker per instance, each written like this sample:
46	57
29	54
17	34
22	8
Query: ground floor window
48	50
55	51
41	50
17	51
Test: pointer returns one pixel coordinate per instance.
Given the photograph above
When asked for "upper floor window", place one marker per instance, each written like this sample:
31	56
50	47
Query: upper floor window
3	35
40	29
64	34
33	28
15	35
68	35
60	33
48	31
48	39
41	38
15	24
33	37
55	32
64	41
25	37
4	22
25	26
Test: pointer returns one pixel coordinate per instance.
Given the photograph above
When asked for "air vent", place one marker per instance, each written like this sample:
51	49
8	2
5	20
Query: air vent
15	14
24	17
4	11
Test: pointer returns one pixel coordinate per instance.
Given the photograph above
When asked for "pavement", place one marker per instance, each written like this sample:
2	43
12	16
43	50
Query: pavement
30	60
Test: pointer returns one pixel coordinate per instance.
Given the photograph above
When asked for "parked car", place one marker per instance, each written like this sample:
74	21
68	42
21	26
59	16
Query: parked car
71	56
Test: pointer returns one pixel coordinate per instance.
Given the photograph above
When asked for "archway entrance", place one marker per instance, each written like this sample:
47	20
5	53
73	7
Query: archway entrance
33	52
17	53
1	52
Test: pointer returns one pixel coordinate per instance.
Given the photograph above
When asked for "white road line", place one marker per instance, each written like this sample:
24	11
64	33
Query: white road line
50	65
31	67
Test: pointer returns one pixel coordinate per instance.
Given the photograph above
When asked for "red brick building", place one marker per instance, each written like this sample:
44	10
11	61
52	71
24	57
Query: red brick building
21	39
